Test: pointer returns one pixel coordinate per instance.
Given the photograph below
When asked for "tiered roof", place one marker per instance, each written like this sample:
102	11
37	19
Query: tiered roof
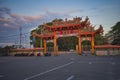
75	24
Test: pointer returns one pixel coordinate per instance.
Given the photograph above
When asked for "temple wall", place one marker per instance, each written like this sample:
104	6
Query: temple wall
26	53
106	52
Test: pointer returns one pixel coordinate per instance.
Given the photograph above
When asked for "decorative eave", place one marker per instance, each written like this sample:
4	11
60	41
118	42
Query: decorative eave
87	33
43	36
68	26
71	24
99	30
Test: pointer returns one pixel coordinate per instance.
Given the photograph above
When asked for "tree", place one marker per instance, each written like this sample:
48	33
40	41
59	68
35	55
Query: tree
38	31
5	50
67	43
100	40
114	34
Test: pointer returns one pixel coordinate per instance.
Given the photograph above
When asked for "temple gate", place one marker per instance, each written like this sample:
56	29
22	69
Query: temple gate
76	27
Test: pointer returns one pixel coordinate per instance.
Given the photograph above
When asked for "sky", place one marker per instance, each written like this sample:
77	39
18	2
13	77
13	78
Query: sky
28	14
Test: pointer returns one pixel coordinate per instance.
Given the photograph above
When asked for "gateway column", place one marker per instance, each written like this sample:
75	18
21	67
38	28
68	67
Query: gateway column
55	44
79	42
45	46
92	43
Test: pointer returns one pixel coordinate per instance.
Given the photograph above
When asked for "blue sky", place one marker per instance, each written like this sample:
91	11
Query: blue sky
30	13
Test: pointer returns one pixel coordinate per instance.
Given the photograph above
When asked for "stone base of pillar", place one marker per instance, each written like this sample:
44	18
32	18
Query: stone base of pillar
80	53
77	50
44	54
93	53
55	50
35	54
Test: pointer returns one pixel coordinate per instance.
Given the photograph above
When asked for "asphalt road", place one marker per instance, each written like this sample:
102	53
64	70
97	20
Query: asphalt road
62	67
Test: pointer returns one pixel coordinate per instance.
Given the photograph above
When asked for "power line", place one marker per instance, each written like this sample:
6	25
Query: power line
13	35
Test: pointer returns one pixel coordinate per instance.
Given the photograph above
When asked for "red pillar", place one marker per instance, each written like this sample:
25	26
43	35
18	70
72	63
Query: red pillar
79	42
92	44
55	44
45	46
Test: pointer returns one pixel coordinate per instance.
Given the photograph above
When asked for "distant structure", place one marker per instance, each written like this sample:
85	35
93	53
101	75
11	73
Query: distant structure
76	27
20	37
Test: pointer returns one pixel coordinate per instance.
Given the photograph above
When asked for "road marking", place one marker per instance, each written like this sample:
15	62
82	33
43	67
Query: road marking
94	62
98	62
72	59
90	63
49	71
113	63
70	78
1	76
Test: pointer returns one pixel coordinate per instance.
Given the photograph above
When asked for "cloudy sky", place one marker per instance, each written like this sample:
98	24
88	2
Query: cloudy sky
30	13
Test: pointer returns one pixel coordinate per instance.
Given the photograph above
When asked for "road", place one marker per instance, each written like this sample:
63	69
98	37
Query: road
62	67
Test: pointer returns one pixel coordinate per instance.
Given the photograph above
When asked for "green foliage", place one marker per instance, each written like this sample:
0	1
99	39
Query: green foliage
49	23
50	44
67	43
114	34
86	42
86	45
38	31
100	40
5	50
57	20
116	27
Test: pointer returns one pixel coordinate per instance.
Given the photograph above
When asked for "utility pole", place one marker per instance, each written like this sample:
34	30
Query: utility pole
20	37
25	42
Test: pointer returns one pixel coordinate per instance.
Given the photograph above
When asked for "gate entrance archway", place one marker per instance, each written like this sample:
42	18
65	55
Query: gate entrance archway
86	45
76	27
67	43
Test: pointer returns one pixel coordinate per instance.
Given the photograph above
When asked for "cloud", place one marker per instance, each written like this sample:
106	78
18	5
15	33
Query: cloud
4	20
94	8
10	22
32	18
4	11
53	15
75	11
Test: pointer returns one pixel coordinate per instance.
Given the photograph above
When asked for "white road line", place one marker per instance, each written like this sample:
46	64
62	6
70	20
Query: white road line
91	62
70	78
31	77
72	59
98	62
1	76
